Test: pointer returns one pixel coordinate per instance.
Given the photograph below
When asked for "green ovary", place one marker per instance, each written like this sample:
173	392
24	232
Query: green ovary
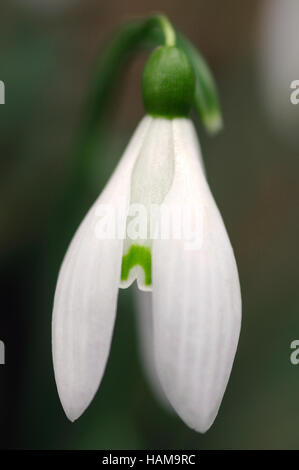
137	255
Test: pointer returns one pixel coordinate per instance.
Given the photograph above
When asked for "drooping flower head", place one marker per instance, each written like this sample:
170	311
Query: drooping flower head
156	222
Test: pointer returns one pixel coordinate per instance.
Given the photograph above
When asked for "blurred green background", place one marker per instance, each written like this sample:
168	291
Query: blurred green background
48	50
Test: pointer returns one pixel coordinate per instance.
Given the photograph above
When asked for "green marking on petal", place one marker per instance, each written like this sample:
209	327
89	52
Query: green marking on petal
137	255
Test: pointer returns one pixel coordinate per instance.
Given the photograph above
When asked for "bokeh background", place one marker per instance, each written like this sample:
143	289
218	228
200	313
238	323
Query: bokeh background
48	50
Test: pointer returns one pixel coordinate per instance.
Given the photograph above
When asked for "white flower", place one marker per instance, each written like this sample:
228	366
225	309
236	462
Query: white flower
194	324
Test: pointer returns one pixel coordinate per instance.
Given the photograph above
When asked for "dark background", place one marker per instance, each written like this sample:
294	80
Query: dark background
47	54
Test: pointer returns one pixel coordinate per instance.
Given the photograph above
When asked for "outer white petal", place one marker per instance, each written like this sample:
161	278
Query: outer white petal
196	297
144	315
86	295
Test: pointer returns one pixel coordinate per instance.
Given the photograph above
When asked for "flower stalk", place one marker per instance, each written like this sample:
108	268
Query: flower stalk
167	29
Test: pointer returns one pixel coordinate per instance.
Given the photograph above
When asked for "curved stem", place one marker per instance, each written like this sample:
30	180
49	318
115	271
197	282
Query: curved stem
167	28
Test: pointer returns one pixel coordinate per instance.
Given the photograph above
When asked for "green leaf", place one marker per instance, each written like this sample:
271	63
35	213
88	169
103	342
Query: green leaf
206	99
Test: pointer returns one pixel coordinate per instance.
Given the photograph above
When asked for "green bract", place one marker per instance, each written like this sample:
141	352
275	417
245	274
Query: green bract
168	83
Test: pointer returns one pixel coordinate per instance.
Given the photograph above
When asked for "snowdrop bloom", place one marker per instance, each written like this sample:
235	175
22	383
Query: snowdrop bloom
192	308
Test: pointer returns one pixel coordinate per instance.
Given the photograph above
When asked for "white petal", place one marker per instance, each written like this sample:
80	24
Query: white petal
196	297
151	180
86	295
146	344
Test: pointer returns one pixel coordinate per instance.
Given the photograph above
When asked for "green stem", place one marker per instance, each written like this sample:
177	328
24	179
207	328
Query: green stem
167	28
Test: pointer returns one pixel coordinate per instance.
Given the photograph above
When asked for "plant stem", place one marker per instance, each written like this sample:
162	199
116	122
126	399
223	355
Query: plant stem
167	28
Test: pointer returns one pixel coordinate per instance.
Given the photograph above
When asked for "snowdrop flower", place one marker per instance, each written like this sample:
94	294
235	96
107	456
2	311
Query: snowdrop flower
192	306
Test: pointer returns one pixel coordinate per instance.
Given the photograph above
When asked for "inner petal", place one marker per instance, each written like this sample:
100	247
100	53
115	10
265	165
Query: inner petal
151	180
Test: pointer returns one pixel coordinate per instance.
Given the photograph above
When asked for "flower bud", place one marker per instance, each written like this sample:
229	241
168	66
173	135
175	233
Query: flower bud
168	83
